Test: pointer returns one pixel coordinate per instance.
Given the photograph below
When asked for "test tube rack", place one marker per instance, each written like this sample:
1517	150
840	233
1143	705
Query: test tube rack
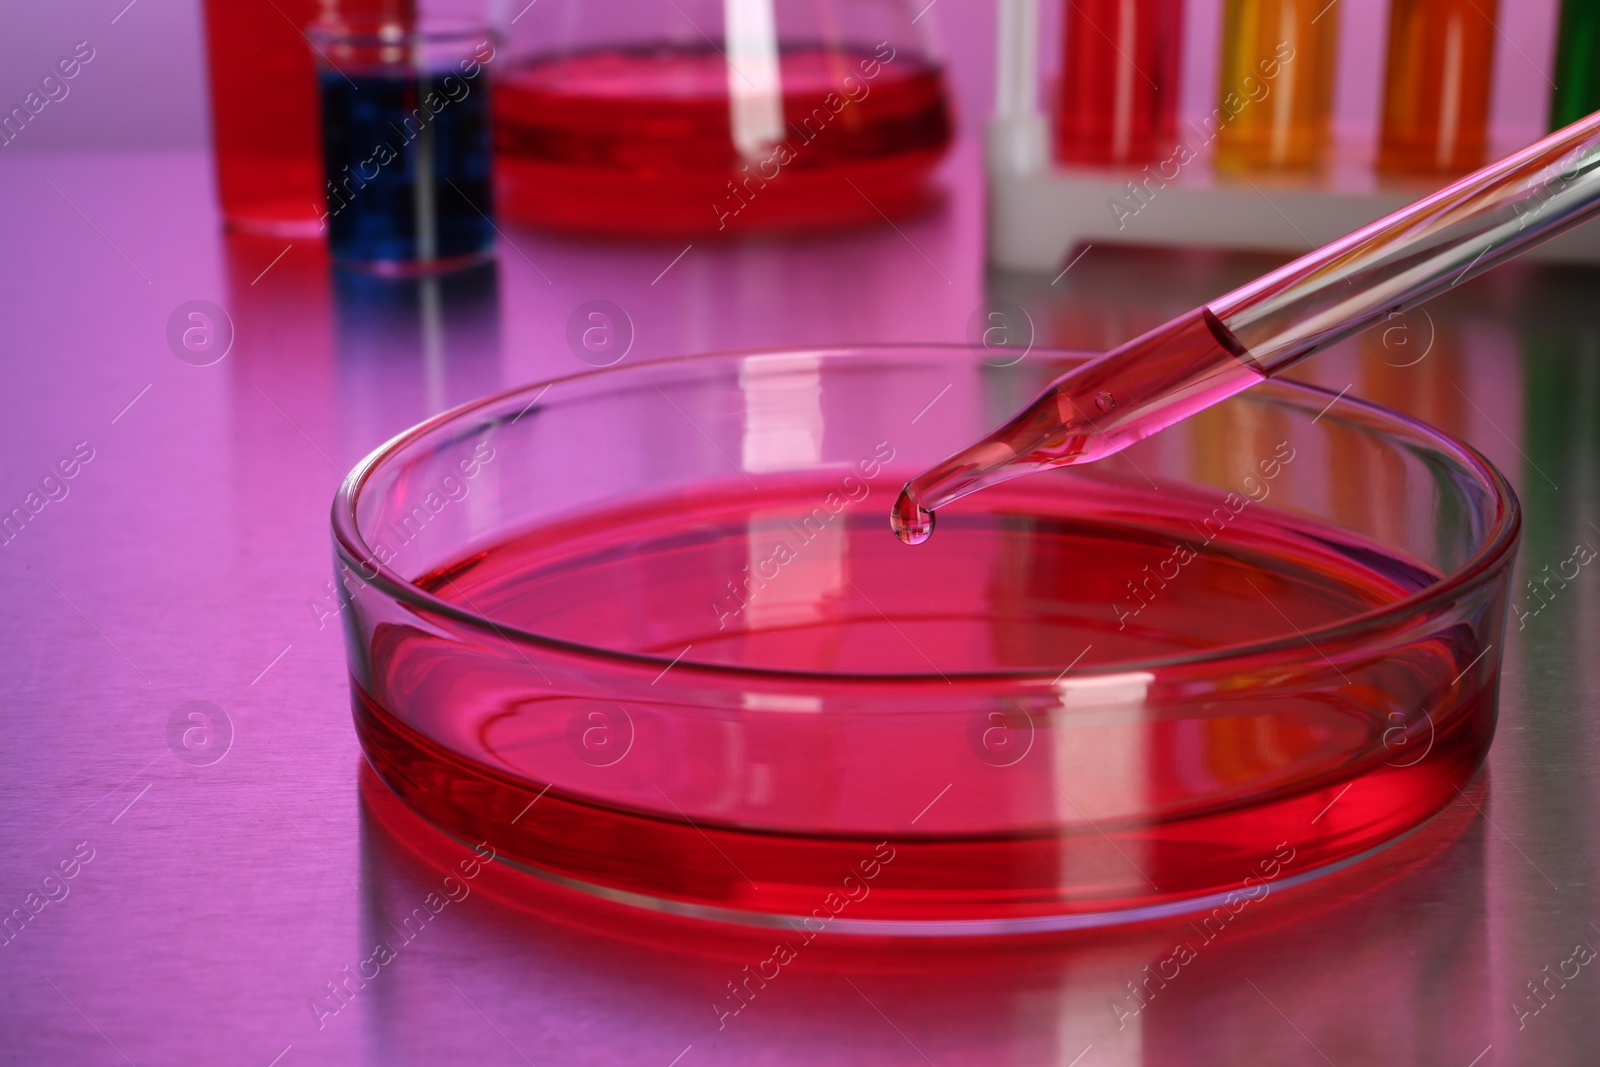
1041	214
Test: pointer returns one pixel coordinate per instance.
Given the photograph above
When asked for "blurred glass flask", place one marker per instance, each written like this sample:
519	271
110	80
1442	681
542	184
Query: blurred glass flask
264	109
1436	89
1121	70
706	116
1276	89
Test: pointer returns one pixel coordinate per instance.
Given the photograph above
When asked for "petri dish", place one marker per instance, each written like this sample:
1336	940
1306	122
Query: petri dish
645	632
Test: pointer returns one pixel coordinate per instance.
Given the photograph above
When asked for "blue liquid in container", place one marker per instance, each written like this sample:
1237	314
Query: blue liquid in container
408	168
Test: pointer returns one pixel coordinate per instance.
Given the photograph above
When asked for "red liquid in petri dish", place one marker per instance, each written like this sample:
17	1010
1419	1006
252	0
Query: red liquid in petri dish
1083	808
639	141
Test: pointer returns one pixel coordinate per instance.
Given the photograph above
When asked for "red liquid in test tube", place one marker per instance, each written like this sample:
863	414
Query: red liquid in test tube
265	132
1120	74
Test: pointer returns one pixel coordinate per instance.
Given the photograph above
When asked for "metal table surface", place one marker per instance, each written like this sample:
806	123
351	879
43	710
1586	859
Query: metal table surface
209	886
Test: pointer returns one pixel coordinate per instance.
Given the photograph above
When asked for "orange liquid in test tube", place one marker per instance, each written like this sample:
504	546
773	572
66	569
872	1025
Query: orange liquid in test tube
1276	84
1436	93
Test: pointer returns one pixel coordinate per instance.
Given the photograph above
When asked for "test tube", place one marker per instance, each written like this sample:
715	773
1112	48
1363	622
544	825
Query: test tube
1577	91
264	109
1436	91
264	116
1276	89
1120	71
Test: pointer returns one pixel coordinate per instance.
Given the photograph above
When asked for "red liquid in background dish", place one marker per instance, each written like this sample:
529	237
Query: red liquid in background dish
639	141
1089	810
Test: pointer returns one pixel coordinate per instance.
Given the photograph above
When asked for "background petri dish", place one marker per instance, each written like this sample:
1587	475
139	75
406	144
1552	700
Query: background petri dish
646	632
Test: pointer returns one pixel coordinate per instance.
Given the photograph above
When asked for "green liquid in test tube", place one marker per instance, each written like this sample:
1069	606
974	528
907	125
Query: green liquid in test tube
1577	77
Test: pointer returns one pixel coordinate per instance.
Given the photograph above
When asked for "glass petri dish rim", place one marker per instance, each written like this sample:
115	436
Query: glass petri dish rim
1498	544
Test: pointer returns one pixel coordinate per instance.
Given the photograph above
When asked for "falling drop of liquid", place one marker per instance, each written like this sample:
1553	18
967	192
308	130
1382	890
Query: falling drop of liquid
1105	401
909	520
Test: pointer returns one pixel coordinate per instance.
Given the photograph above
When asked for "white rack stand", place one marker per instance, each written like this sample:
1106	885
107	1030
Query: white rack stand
1039	212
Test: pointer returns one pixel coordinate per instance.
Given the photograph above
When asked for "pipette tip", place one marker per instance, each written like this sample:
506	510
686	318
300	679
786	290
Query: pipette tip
911	522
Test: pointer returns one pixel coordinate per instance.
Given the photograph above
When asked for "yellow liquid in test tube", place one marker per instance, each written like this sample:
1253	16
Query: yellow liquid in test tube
1276	91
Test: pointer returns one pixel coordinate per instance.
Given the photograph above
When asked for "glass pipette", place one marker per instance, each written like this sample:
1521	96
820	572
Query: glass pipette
1261	329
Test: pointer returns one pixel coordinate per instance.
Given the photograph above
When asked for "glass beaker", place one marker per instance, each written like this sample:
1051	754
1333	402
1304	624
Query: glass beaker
405	142
706	116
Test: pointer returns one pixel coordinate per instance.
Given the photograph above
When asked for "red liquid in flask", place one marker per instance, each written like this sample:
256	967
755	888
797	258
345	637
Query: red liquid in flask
1084	808
639	141
1119	81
